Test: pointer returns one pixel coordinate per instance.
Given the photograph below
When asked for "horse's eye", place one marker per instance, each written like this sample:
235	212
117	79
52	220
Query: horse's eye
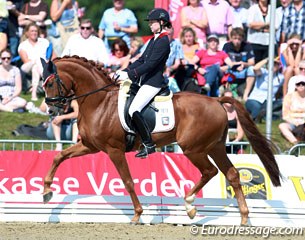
50	84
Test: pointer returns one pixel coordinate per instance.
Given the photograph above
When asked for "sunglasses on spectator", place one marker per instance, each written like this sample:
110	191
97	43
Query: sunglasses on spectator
302	69
83	28
301	84
118	50
6	58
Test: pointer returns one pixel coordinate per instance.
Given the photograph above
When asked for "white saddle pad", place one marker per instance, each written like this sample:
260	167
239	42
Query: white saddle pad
165	117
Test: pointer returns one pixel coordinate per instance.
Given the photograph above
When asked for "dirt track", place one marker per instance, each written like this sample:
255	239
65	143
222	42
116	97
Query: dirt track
72	231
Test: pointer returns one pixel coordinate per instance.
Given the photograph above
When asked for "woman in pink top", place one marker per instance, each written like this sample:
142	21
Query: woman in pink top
193	15
211	64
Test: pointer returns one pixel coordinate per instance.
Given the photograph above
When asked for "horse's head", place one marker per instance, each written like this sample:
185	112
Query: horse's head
57	92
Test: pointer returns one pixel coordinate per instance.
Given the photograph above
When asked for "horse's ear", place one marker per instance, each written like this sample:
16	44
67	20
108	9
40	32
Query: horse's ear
44	63
48	68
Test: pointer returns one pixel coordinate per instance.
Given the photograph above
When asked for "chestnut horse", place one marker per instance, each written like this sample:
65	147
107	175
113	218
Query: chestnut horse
200	129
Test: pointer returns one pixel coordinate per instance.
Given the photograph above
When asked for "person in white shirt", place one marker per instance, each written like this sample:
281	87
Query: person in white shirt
85	44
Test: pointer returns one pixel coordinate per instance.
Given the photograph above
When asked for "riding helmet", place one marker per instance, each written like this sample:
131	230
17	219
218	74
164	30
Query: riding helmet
158	14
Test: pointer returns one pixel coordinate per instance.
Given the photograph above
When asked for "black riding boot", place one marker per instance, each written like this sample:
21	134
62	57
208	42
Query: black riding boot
142	128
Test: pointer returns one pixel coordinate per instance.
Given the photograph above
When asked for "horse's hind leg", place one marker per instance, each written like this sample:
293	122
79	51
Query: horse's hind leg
74	151
119	160
208	171
222	161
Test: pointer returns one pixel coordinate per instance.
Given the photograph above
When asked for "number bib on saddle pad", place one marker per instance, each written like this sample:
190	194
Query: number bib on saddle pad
164	115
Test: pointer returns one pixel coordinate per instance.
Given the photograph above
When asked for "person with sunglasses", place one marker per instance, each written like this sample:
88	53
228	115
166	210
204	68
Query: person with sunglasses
119	58
147	73
10	85
293	111
86	44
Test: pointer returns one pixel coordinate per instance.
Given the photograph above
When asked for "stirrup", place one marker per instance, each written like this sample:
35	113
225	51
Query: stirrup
147	149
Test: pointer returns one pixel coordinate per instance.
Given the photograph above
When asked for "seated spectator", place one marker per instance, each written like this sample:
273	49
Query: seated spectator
119	58
293	111
10	85
92	47
242	54
3	25
136	44
211	65
233	124
185	74
293	54
64	127
30	51
194	16
257	100
34	11
294	79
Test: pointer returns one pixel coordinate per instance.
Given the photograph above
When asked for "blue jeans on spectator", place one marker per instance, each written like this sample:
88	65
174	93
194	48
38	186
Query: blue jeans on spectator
66	132
14	43
254	107
212	76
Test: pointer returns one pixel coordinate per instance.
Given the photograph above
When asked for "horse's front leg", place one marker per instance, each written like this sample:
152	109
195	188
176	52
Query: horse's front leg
118	158
74	151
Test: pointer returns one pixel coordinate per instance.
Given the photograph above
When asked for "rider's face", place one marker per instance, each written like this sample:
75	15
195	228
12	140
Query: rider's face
154	26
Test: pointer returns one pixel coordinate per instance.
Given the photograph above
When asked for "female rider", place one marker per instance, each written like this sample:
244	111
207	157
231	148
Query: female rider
147	72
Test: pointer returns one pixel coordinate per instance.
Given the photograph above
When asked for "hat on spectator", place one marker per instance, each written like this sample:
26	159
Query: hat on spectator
213	36
300	79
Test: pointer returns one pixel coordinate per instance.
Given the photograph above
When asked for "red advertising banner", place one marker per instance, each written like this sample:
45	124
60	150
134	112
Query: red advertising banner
162	174
174	8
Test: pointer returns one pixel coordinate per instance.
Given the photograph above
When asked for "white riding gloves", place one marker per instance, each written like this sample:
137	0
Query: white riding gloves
122	75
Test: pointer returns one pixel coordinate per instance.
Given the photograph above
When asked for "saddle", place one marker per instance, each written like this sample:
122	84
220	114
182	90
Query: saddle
158	114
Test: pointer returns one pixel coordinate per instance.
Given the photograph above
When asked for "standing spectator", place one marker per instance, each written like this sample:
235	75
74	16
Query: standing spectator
34	11
279	12
92	47
13	26
220	19
293	20
117	22
293	54
64	127
119	58
30	51
10	85
294	79
193	15
65	23
3	24
258	28
257	100
293	111
242	53
240	15
211	64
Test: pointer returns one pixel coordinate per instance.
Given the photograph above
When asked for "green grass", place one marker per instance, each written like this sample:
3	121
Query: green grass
10	121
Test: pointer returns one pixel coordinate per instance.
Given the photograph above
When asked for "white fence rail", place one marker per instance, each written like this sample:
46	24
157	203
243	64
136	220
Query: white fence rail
88	208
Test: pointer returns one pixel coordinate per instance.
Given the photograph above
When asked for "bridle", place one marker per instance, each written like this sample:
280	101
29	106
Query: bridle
61	100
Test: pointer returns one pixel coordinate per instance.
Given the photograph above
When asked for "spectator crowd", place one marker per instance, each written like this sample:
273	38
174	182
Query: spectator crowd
222	49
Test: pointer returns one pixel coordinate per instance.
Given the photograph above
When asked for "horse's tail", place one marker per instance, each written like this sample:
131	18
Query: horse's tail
261	145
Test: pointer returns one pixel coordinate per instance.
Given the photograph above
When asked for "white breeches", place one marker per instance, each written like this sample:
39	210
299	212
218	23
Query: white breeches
143	97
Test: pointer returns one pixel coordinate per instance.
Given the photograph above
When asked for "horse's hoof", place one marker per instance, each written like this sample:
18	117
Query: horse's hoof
47	197
192	212
134	223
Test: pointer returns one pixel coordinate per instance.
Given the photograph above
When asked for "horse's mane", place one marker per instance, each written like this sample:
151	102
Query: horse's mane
90	63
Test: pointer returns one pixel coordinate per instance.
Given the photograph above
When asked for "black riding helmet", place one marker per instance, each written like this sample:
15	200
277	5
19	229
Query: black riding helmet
159	14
